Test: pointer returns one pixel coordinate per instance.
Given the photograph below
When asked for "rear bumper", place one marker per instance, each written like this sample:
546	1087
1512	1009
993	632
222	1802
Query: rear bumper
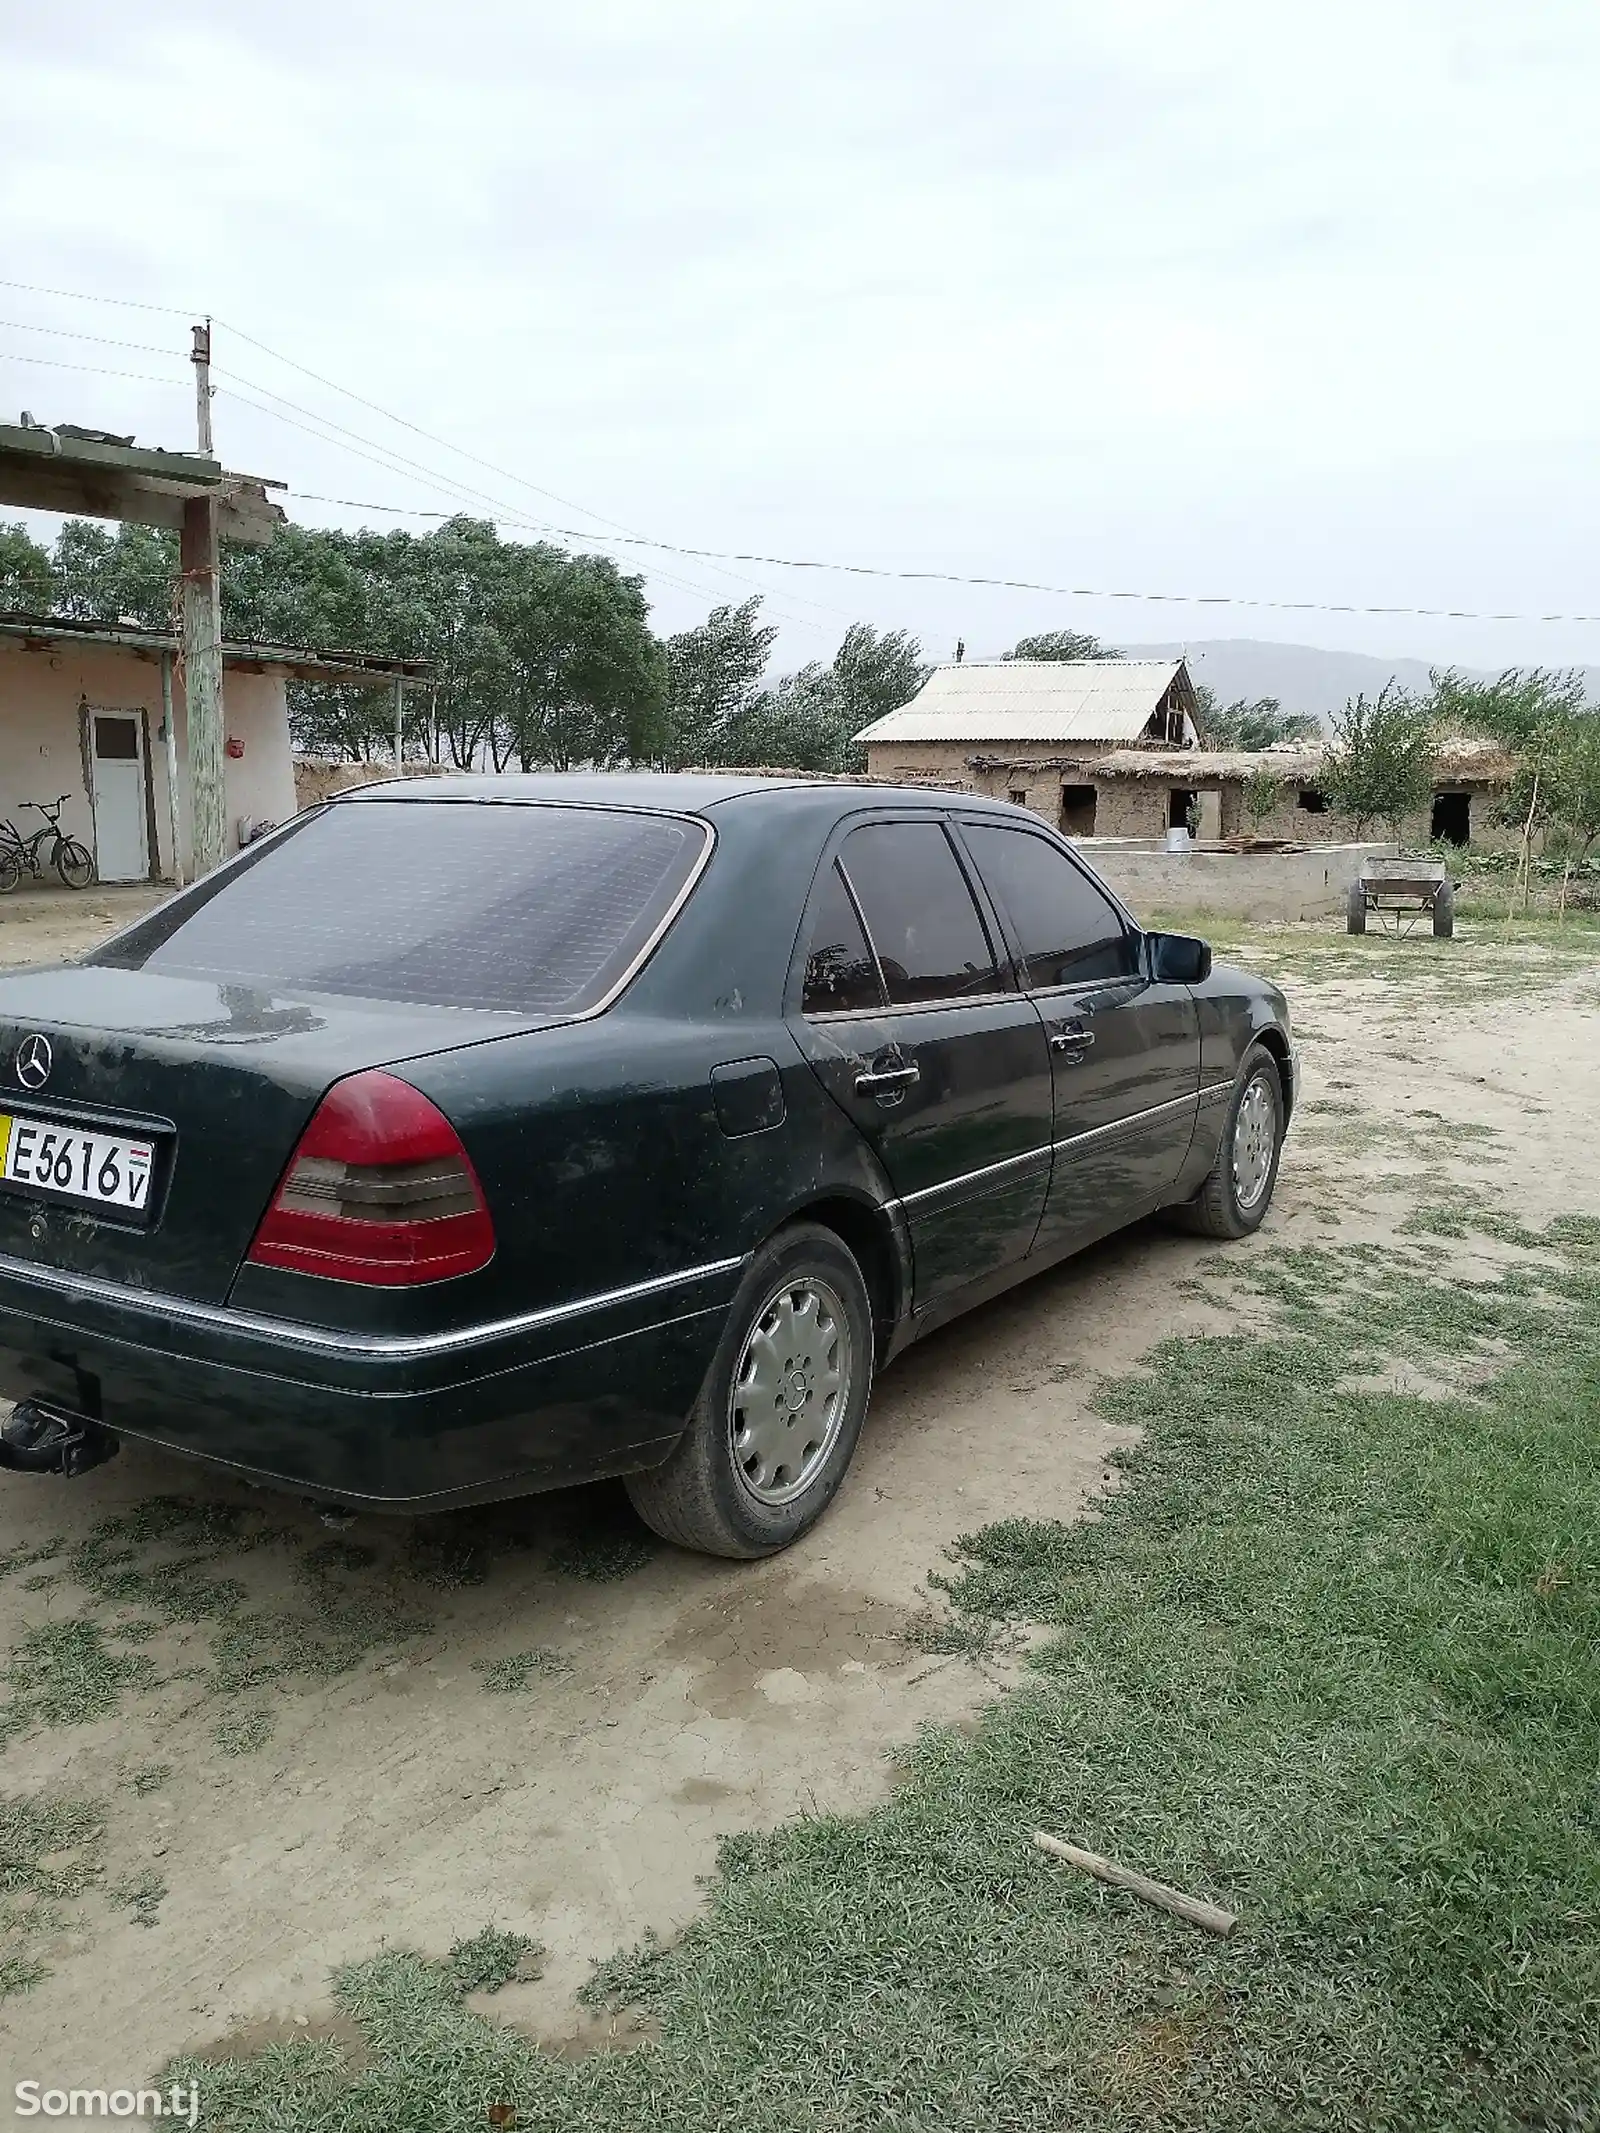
599	1386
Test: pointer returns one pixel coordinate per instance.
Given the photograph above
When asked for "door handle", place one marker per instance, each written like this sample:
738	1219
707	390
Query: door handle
886	1081
1074	1042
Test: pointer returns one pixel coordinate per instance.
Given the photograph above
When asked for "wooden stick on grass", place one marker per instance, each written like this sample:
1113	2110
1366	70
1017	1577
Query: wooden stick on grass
1209	1917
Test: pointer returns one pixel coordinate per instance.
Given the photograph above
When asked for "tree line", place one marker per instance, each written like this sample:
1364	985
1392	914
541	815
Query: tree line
537	658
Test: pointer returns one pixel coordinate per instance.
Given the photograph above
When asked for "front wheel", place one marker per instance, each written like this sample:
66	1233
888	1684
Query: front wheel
1234	1199
74	863
775	1427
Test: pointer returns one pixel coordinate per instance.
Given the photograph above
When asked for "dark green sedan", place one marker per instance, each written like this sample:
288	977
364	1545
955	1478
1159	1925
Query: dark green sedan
471	1137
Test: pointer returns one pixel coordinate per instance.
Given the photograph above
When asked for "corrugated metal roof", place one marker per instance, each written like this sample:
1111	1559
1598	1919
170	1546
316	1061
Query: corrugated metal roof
1031	700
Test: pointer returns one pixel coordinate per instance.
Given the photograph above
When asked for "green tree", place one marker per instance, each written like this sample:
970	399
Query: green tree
128	576
585	680
876	672
1062	644
1251	725
1263	795
1379	765
809	720
27	580
1510	709
713	676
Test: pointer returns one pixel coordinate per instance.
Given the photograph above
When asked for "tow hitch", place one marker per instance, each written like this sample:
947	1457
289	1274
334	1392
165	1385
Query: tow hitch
39	1439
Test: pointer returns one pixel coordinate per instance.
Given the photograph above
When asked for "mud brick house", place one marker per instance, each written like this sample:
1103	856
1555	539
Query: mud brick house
1110	748
1027	729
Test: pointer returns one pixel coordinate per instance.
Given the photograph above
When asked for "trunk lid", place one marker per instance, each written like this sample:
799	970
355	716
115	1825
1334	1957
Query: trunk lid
223	1078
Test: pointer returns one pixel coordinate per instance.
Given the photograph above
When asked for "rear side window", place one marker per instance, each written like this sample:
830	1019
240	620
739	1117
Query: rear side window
919	911
840	972
516	908
1068	929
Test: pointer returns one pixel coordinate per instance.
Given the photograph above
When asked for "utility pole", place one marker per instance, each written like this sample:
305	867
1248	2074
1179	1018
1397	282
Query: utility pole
202	644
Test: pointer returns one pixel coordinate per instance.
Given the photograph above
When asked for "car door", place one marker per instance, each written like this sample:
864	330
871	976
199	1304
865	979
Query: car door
910	1015
1124	1051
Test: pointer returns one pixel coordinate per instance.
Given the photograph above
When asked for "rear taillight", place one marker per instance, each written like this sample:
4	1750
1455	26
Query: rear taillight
379	1190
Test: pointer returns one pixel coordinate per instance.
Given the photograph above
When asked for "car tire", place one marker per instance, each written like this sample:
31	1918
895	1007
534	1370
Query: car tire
1235	1197
772	1434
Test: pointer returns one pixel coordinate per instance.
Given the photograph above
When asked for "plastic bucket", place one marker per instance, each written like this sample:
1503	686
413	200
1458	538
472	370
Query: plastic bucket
1177	840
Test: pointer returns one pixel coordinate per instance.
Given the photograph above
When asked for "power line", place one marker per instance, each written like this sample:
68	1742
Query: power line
722	555
950	577
81	296
476	499
622	531
93	370
66	333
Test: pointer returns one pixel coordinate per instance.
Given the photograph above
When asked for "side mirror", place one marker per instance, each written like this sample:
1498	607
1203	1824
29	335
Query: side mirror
1178	958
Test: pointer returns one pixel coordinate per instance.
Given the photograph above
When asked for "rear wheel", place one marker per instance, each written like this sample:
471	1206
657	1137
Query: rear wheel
775	1427
1234	1199
1355	909
74	863
10	872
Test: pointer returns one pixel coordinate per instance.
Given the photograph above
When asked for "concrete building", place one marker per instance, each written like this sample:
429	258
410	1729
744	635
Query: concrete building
84	711
1038	721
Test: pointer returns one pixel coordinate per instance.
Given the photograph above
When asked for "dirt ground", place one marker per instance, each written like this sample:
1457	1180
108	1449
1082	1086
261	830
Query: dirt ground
309	1815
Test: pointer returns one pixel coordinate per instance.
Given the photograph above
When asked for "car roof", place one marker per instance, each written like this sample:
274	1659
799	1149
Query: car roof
677	792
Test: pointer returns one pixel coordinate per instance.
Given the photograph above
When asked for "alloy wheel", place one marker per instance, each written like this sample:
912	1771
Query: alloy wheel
791	1390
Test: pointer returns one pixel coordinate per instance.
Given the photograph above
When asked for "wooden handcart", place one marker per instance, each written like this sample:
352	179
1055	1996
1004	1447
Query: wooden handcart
1400	894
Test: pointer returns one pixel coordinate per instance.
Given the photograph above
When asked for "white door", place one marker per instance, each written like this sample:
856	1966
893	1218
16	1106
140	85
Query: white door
120	848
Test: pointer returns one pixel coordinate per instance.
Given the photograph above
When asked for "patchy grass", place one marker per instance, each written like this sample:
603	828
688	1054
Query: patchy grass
492	1959
65	1674
149	1779
140	1893
242	1732
1328	1656
518	1671
51	1851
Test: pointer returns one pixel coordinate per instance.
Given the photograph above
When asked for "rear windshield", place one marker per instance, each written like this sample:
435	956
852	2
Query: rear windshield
517	908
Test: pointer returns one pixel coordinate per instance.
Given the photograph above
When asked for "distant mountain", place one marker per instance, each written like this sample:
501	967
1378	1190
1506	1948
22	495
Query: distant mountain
1301	676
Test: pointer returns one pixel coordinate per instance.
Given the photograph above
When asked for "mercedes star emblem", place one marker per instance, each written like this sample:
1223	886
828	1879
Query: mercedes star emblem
34	1061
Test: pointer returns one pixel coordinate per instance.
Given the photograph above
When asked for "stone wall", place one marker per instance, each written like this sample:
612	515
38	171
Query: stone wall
1259	887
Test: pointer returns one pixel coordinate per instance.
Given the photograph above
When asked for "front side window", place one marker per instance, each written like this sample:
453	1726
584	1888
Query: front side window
514	908
1068	929
924	924
840	972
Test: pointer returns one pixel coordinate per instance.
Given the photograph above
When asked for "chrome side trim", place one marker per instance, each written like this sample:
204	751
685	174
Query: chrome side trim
330	1340
1214	1092
1031	1158
1122	1125
1020	1163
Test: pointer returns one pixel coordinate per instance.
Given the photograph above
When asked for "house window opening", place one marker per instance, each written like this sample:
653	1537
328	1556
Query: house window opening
1077	810
1017	797
1178	805
1312	802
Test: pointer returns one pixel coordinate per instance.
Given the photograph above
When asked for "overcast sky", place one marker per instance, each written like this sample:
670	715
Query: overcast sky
1289	303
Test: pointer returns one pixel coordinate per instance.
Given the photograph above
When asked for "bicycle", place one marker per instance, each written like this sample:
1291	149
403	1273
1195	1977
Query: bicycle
48	846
